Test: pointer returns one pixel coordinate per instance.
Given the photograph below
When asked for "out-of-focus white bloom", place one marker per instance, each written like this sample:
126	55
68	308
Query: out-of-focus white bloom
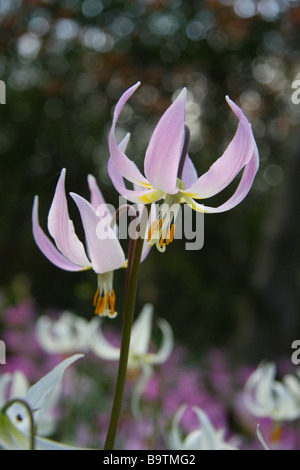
15	426
266	397
204	438
68	334
12	385
15	385
139	354
140	360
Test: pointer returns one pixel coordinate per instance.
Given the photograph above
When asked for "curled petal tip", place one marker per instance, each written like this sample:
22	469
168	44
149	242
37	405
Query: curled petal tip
182	95
235	108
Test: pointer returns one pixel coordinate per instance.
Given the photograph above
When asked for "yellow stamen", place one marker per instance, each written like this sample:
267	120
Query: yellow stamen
105	303
95	297
168	236
102	305
172	231
152	229
112	301
98	305
161	242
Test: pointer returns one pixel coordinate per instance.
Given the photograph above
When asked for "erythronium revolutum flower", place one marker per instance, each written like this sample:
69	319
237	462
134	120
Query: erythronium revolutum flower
141	360
170	173
15	428
204	438
68	334
267	397
105	253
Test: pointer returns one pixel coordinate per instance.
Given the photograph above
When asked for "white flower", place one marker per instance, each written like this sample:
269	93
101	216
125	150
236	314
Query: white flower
266	397
15	426
66	335
15	385
74	334
140	360
204	438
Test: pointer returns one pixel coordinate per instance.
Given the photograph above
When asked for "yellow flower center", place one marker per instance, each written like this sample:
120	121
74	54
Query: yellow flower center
162	229
105	297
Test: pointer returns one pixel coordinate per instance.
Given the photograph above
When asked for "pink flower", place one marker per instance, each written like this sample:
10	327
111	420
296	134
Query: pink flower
170	173
105	253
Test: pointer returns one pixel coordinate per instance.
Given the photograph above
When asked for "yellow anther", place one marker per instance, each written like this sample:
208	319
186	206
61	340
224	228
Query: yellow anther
112	301
161	242
96	297
172	231
98	306
168	236
102	306
105	303
152	229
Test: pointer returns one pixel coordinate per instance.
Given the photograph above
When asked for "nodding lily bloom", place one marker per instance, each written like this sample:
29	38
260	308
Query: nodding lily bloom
141	360
15	428
105	253
203	438
267	397
68	334
170	173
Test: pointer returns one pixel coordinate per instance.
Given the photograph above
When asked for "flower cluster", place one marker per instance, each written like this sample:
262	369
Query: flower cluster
170	177
179	406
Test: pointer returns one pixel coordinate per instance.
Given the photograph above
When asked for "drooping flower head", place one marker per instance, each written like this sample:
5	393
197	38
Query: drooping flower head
105	253
206	437
267	397
169	172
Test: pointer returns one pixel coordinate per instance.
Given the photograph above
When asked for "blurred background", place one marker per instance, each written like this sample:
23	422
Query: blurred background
66	63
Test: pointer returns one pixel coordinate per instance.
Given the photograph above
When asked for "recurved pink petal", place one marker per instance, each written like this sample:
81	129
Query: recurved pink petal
104	248
189	174
61	227
47	247
241	192
165	146
97	198
98	202
225	169
126	167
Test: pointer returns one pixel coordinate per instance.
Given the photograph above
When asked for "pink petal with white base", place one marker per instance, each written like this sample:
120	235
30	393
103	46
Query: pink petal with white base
225	169
126	167
240	193
106	253
61	228
47	247
165	146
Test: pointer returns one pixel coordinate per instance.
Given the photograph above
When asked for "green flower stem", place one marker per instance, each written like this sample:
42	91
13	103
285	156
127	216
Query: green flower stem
30	414
132	276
